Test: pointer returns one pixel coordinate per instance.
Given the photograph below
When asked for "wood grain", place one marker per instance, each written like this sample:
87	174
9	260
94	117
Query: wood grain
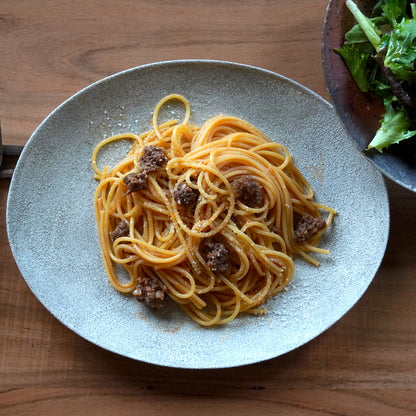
364	365
51	49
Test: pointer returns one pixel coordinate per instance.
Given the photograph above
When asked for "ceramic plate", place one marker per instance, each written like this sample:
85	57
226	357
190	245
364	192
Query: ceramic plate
52	231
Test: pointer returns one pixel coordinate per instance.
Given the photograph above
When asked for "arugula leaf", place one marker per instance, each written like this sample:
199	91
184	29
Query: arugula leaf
357	36
369	28
401	51
394	126
357	64
394	10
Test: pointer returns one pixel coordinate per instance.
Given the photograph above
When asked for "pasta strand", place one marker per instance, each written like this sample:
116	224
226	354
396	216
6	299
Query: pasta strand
167	241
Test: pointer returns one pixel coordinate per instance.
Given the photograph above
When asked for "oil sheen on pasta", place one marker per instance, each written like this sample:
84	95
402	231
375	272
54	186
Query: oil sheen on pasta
212	222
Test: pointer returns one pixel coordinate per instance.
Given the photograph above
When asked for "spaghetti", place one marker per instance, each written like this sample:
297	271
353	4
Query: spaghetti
210	215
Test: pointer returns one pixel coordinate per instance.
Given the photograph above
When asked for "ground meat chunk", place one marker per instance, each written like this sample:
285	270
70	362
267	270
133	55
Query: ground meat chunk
275	229
136	181
217	256
249	190
153	158
121	230
307	227
185	195
150	292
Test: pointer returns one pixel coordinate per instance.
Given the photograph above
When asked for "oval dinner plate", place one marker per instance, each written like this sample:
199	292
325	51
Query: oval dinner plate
52	231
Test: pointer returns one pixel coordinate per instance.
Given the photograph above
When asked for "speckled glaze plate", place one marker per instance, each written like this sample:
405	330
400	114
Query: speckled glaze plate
52	230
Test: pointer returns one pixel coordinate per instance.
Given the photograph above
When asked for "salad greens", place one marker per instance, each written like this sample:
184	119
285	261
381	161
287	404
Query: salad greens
380	52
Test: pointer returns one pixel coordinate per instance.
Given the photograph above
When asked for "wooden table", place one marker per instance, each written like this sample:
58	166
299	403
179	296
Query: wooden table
364	365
